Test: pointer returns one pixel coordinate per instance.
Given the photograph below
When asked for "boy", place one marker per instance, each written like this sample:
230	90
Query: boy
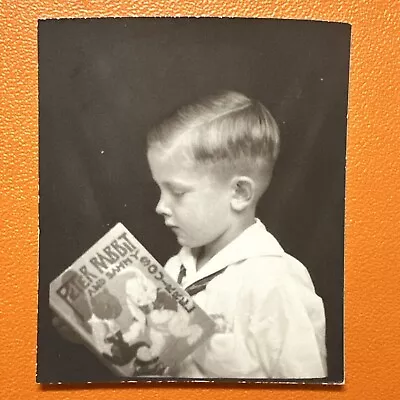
212	161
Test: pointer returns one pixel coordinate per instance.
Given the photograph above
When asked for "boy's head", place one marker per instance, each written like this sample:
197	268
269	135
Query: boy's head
223	148
227	131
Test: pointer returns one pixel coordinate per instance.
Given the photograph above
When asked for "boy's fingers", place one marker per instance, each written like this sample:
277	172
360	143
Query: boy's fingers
65	330
56	322
69	334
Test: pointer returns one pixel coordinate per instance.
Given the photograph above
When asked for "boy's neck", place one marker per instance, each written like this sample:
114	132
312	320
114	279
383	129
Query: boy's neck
207	252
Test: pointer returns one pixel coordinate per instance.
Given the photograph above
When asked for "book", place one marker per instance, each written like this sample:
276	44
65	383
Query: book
126	309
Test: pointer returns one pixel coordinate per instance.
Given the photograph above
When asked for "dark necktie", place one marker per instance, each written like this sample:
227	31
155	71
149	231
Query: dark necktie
182	274
201	284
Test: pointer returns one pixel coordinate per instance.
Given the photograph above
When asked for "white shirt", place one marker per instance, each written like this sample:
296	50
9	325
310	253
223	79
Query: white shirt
271	323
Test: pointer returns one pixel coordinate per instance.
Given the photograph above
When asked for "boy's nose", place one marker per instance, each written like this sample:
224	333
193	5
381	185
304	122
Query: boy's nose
162	208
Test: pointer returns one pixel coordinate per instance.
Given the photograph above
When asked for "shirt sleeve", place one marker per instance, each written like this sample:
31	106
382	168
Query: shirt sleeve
287	334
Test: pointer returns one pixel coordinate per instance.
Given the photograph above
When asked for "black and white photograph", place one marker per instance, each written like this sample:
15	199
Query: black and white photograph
192	200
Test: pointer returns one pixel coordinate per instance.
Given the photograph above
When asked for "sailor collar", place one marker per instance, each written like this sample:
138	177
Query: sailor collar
253	242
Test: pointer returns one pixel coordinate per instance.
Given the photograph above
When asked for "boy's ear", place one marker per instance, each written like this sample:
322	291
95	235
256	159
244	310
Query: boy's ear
243	192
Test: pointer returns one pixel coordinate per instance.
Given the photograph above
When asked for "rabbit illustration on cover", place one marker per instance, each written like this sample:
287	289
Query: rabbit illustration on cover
138	339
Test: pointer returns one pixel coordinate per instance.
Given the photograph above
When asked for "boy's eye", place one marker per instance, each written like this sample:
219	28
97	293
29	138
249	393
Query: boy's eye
177	192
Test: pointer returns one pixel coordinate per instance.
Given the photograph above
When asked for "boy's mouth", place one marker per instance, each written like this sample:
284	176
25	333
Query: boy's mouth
173	228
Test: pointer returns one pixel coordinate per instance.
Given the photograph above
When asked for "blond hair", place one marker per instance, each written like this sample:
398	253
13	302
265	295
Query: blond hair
227	130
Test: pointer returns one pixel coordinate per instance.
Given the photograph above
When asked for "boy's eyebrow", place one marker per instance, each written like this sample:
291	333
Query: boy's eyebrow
173	184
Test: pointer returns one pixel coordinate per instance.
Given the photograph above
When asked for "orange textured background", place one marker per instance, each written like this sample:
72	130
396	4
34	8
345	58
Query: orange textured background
373	195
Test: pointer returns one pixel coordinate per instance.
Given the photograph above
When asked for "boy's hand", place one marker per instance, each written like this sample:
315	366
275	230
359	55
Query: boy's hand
66	331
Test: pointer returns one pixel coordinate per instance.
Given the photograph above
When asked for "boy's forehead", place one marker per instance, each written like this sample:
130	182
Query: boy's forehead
174	153
176	165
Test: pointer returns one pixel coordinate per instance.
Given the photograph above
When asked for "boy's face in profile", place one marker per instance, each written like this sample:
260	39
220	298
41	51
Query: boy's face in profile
194	203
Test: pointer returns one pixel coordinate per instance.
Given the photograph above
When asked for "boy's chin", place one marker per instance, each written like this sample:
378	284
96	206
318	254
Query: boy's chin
182	241
185	241
189	244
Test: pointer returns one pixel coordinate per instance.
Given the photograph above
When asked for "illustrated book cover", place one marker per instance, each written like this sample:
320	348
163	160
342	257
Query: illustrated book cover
126	309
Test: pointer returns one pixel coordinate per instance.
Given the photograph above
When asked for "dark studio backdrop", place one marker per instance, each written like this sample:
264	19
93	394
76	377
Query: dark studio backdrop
104	82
